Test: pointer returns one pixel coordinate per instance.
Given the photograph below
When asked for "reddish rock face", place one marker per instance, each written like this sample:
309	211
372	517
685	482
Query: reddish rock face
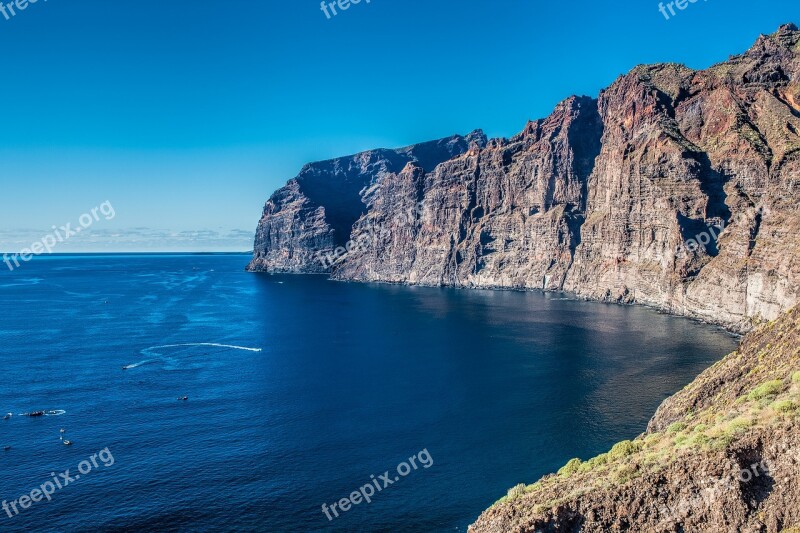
598	199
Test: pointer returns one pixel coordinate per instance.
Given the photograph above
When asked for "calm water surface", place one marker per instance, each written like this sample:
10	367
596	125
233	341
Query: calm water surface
350	381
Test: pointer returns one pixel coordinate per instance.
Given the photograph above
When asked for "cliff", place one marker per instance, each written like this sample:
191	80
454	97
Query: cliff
315	212
721	455
674	188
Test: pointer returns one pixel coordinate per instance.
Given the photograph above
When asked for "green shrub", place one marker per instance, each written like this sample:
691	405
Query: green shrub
625	473
699	439
594	462
699	428
763	402
677	427
624	449
784	406
720	443
652	439
765	390
740	425
796	377
570	468
516	491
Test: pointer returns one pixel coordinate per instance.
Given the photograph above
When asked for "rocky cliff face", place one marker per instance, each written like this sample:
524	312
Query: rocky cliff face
606	198
685	150
720	456
315	212
505	215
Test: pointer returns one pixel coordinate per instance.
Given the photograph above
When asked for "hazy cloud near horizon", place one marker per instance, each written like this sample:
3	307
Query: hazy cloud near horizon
133	239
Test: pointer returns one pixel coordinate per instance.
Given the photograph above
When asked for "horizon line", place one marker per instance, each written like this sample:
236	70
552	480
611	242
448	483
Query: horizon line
135	253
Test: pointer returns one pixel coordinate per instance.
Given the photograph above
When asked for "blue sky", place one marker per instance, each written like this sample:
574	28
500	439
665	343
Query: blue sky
186	115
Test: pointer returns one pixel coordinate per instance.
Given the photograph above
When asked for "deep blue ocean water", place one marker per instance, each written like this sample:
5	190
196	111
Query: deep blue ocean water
499	387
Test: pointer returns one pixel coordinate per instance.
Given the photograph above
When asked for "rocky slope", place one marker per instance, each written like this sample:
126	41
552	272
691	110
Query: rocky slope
599	199
722	455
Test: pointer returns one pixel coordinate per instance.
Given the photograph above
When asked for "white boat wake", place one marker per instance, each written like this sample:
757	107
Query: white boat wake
231	346
151	351
134	365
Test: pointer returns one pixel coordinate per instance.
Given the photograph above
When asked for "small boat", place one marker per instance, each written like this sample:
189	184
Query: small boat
9	415
183	398
34	414
67	443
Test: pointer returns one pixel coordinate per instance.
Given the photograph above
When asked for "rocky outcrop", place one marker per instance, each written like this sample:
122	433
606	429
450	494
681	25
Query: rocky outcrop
315	212
722	455
506	215
605	198
685	150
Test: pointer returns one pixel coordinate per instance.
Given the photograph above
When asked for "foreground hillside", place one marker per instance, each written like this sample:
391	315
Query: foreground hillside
598	199
722	455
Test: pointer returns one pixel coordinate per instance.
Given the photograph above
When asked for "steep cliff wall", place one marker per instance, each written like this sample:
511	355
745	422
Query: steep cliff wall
684	150
507	215
315	212
598	199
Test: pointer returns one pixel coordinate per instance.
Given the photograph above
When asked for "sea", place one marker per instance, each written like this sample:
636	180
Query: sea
177	392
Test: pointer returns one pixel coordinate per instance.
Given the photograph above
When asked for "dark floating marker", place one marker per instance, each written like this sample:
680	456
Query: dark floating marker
6	448
183	398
